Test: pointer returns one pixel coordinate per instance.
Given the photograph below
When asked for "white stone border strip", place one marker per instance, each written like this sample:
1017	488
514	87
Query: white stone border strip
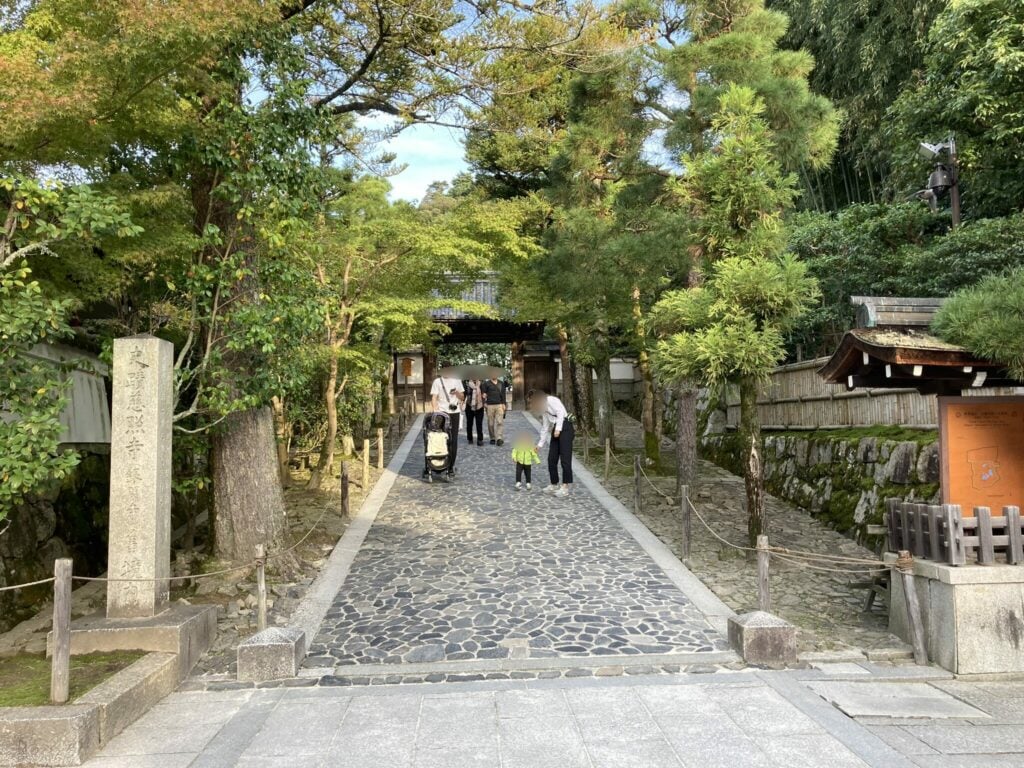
706	601
318	599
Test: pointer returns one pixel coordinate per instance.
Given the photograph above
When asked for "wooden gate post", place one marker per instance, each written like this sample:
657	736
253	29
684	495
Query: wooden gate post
60	670
607	457
638	497
684	500
764	589
380	448
366	465
261	587
905	568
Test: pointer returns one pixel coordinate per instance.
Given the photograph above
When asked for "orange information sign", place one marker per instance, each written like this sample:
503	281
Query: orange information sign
407	367
981	441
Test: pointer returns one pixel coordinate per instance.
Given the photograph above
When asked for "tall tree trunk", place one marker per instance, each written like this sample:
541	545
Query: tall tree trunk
686	434
568	396
390	386
652	447
753	468
604	402
583	392
247	498
326	460
281	430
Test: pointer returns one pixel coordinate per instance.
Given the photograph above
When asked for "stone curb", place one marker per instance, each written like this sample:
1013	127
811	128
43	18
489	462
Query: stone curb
310	613
716	612
69	734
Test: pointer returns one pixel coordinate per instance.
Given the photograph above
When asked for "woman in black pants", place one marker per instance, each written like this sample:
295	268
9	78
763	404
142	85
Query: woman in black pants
556	426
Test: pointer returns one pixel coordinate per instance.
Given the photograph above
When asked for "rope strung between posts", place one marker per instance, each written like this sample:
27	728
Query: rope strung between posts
805	564
797	557
656	488
198	576
26	585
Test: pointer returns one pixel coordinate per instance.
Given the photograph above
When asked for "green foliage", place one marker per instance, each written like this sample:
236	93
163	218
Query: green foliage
736	42
32	392
733	327
892	250
972	85
988	319
865	53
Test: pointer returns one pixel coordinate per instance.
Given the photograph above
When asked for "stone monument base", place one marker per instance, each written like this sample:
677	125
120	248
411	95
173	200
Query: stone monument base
973	615
763	639
186	630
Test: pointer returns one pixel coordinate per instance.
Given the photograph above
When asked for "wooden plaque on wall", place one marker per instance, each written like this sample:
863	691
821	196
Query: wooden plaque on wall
981	448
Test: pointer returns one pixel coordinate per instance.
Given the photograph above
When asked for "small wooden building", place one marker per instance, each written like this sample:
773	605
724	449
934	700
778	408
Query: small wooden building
970	609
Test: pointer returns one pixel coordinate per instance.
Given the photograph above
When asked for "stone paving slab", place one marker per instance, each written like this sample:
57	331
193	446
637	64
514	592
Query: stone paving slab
894	700
672	724
475	570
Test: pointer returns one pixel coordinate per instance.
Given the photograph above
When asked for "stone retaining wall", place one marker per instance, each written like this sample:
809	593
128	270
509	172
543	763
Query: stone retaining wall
839	479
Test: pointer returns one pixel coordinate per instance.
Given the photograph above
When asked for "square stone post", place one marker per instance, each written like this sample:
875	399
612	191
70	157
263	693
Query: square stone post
140	476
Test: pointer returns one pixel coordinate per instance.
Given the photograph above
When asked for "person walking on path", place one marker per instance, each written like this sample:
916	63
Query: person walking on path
524	454
474	411
447	396
556	428
494	391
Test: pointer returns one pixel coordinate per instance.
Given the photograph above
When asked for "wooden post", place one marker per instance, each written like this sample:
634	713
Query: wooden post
684	492
261	587
366	465
1014	553
586	448
934	540
415	405
986	550
380	448
764	590
905	567
638	497
60	670
607	457
344	489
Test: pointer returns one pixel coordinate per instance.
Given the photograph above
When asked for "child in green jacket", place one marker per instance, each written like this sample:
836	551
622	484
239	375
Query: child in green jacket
524	454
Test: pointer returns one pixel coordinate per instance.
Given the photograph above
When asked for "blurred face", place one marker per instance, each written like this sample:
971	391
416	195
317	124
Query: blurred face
538	403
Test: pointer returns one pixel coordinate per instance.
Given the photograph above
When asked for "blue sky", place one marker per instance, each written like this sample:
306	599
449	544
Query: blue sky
431	153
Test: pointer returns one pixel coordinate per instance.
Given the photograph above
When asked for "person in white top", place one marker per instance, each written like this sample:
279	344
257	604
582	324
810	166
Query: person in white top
447	396
558	431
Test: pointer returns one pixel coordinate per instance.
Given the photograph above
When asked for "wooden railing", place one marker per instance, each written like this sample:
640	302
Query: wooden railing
942	533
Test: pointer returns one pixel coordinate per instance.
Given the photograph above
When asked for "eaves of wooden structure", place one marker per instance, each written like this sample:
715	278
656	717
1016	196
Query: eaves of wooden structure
896	350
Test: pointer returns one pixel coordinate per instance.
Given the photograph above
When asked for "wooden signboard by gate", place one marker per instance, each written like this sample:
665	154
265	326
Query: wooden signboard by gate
981	445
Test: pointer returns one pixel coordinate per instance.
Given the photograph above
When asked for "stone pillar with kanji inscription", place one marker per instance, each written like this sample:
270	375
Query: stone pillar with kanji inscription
140	477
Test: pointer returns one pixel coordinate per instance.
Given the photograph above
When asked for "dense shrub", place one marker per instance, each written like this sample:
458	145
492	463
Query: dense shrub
892	250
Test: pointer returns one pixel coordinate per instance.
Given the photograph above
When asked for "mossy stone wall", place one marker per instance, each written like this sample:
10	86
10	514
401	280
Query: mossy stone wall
842	478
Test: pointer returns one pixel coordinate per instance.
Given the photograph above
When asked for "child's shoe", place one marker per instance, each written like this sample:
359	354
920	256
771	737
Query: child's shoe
528	486
519	486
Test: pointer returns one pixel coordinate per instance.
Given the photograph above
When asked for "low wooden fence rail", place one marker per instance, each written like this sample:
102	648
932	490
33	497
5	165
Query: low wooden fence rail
942	533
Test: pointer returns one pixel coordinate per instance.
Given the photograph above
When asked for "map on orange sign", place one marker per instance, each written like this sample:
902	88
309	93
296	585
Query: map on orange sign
982	452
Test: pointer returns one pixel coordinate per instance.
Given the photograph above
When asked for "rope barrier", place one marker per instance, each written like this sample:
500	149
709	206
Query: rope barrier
210	574
804	564
26	585
656	488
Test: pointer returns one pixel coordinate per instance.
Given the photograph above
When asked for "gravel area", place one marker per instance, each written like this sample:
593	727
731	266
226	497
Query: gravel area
826	607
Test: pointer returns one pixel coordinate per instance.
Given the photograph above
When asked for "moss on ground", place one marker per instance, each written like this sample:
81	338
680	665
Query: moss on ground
894	433
25	679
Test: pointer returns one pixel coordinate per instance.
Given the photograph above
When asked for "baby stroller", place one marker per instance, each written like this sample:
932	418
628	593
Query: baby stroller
436	453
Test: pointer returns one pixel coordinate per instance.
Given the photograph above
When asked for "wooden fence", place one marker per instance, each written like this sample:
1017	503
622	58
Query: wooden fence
943	534
797	398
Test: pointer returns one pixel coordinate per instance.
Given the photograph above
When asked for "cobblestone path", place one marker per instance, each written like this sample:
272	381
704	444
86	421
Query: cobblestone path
476	570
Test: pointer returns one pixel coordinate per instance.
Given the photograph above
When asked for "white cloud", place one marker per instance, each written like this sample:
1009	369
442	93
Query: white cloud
429	152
